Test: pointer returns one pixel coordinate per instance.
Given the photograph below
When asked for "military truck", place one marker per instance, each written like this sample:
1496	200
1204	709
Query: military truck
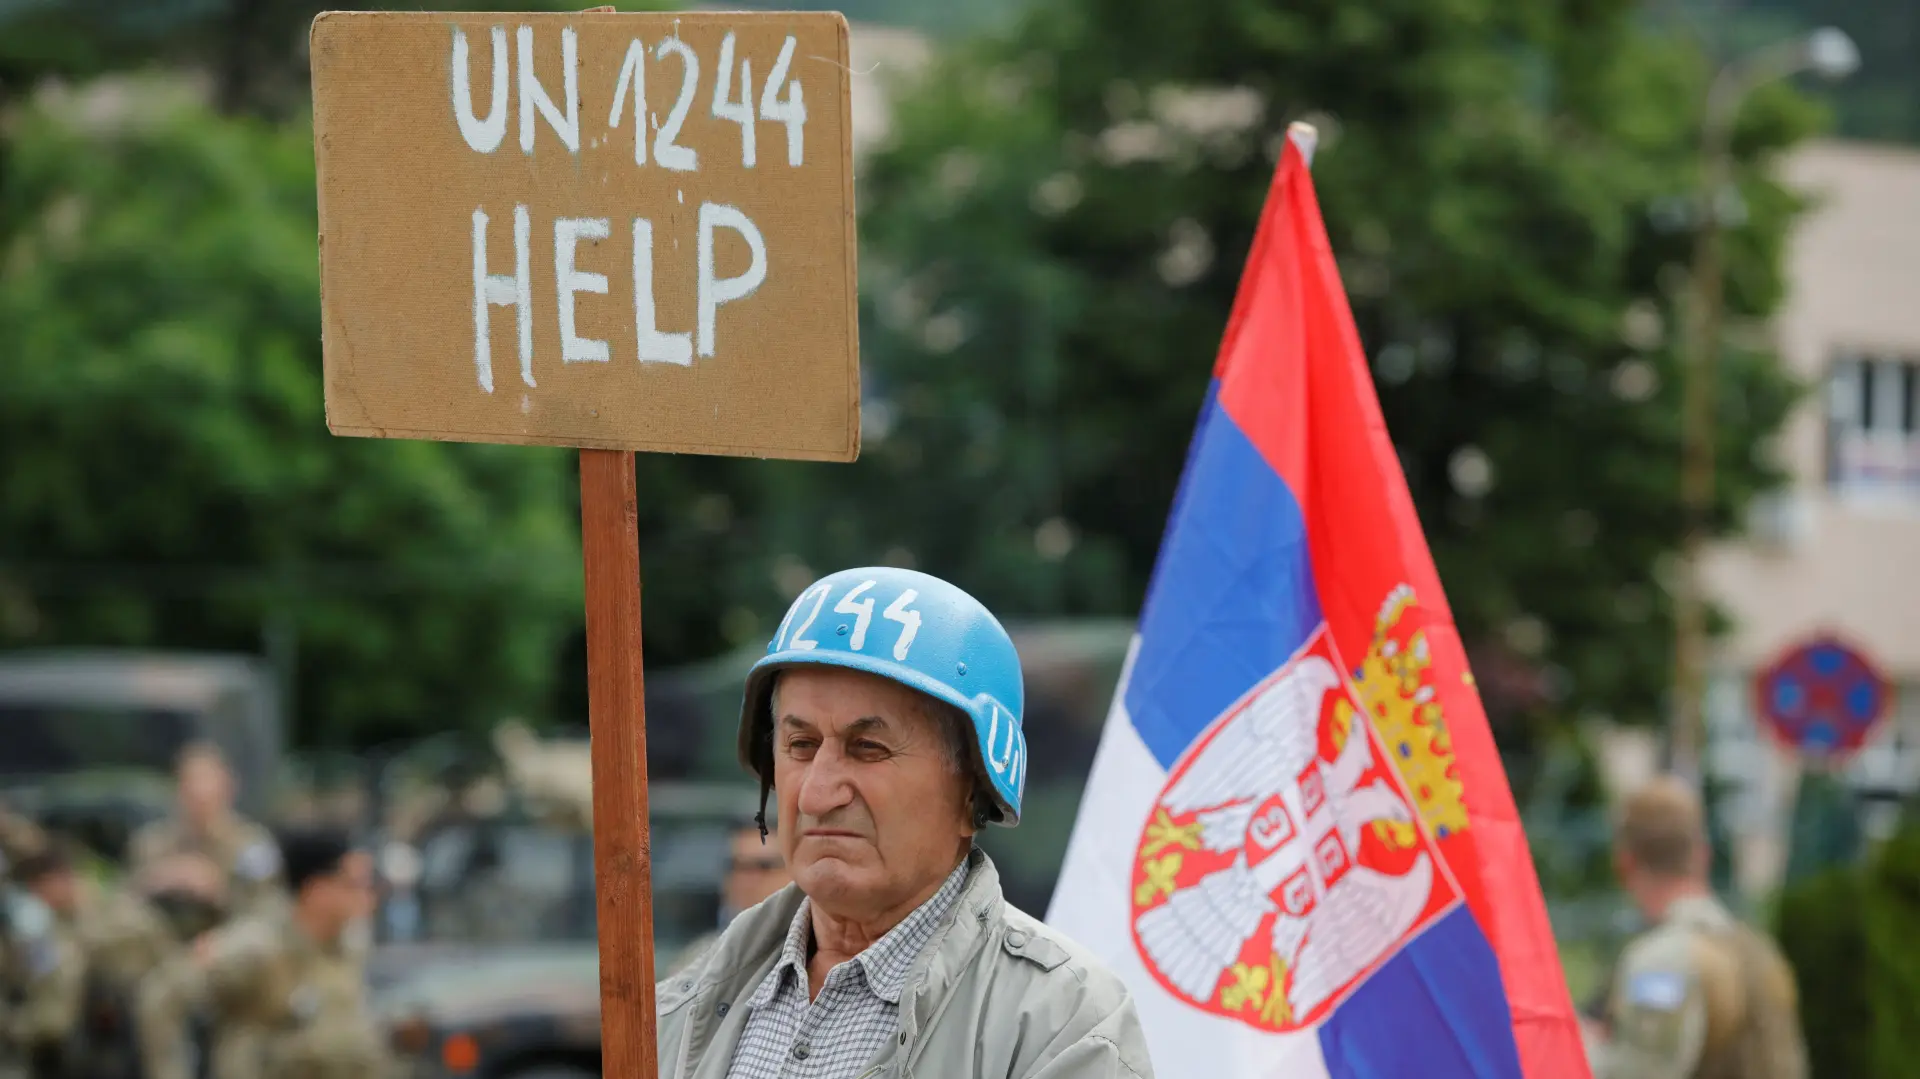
91	736
487	965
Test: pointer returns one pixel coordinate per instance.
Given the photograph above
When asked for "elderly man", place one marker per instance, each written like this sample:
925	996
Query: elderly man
886	718
1699	994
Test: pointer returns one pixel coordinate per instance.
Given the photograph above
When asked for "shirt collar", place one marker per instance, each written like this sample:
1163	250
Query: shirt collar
793	957
889	960
886	963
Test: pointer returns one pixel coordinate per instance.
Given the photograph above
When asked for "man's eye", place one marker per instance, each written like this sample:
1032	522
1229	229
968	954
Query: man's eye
869	749
801	745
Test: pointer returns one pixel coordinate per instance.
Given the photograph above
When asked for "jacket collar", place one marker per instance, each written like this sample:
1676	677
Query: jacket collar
749	948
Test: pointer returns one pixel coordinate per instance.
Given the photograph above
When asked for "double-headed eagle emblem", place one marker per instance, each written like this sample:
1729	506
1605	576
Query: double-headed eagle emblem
1254	897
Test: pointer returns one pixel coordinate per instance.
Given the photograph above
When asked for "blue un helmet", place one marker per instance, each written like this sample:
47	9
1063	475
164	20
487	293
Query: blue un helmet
914	629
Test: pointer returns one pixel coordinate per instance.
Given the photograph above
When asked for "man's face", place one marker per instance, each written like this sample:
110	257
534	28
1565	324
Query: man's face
872	814
206	790
59	890
345	895
757	870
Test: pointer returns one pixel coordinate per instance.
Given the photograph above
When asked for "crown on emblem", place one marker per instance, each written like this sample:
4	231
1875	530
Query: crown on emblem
1396	684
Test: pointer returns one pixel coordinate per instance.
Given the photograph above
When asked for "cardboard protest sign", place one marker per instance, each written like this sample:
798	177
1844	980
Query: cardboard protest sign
610	231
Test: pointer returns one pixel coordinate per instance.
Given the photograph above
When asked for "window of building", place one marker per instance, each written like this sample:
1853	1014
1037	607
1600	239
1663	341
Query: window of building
1873	426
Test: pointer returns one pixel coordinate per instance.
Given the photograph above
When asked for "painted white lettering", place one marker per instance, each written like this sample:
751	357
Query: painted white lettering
490	290
482	135
633	72
800	639
862	612
567	234
909	620
533	96
711	292
670	154
999	759
655	347
791	112
741	111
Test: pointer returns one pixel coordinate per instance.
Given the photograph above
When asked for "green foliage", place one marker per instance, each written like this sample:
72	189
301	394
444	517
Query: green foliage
253	51
1052	242
1880	101
1849	933
940	17
170	478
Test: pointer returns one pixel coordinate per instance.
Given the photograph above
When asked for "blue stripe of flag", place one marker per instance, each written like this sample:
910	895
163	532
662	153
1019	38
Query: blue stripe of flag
1437	1009
1232	596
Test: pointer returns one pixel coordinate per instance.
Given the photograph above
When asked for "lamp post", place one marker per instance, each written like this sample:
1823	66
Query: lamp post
1831	54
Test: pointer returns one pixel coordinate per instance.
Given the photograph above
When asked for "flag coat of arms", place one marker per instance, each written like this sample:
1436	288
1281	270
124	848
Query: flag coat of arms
1297	843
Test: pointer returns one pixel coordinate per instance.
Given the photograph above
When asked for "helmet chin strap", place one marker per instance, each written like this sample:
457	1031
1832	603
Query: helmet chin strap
760	818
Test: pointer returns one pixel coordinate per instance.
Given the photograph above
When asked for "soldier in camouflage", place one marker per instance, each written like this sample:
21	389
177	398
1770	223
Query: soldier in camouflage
205	823
19	836
130	932
755	870
282	992
1698	995
44	965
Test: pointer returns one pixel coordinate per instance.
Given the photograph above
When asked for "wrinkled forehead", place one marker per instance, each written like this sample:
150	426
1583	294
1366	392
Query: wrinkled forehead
835	699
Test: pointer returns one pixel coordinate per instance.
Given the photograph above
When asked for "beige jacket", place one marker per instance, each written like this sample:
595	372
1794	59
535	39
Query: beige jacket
1701	996
996	995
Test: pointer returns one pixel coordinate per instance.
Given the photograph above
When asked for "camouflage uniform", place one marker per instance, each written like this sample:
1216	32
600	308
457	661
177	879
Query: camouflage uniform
43	973
19	837
1701	996
242	849
125	938
279	1005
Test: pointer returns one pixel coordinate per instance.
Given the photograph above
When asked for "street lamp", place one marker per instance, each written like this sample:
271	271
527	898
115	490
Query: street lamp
1831	54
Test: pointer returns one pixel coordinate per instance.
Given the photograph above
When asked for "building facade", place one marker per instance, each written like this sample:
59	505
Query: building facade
1839	550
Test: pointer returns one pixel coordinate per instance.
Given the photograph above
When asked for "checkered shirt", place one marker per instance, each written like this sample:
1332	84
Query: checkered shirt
843	1029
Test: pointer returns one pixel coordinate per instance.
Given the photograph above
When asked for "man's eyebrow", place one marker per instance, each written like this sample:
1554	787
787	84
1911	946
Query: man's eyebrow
863	725
869	725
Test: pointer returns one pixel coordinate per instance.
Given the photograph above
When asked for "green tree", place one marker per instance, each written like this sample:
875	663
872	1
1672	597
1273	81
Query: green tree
1879	102
1052	241
170	478
1848	930
252	52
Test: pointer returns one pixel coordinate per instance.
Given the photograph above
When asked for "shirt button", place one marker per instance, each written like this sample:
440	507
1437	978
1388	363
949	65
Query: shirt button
722	1009
1017	939
801	1051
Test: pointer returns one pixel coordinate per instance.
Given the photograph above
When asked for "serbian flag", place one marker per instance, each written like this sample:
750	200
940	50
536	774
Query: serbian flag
1297	844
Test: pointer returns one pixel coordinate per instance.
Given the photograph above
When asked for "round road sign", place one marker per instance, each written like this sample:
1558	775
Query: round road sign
1821	698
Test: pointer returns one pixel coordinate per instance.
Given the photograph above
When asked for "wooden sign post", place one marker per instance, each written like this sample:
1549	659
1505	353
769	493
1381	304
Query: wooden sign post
615	232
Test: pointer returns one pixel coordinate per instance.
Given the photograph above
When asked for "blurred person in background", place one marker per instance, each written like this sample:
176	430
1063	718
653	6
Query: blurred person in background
45	967
894	949
19	836
128	932
281	991
755	870
1698	995
205	822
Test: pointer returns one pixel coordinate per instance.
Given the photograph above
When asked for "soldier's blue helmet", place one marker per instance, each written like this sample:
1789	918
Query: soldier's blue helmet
916	630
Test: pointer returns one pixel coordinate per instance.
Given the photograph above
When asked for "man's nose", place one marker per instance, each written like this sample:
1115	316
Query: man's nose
826	786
